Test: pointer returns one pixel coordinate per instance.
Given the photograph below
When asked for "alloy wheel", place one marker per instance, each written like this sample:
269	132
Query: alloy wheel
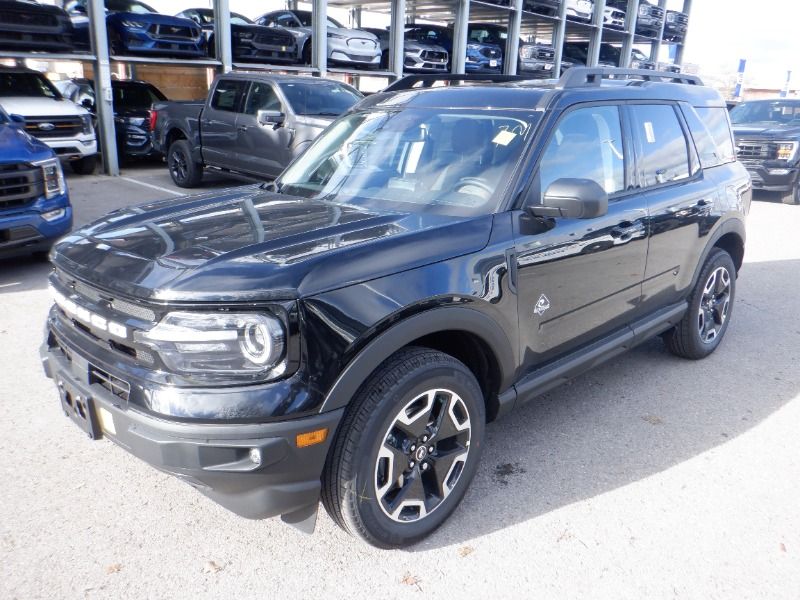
179	166
714	305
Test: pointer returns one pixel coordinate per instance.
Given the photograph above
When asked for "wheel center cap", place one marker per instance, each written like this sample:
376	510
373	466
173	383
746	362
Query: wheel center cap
422	453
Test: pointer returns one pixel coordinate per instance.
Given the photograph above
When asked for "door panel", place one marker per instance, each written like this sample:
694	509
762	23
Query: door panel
218	123
263	149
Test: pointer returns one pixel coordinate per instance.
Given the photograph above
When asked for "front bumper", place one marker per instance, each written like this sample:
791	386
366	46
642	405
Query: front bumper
73	148
484	65
25	231
648	26
214	458
247	49
535	66
414	61
135	141
772	178
137	41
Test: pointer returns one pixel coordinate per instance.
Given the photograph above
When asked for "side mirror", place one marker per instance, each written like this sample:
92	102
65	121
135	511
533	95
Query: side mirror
87	104
572	199
270	117
17	119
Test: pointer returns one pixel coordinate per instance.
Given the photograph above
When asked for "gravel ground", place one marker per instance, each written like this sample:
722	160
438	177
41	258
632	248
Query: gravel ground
650	477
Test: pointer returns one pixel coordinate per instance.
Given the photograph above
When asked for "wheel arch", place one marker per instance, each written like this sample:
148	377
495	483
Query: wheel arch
729	236
467	334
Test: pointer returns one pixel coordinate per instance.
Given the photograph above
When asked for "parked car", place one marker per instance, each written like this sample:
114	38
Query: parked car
249	42
28	25
542	7
613	17
251	124
136	28
536	59
669	67
576	53
580	10
435	260
767	136
133	117
34	202
419	56
486	47
63	125
675	26
345	46
481	57
649	20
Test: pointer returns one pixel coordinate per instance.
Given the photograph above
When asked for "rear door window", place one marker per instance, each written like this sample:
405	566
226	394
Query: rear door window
228	95
662	145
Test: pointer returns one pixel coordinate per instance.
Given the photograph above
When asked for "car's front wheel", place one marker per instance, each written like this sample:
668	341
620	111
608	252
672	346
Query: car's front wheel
85	165
792	196
406	450
185	172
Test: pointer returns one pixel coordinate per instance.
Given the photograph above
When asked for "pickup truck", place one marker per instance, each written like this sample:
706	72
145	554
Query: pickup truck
251	124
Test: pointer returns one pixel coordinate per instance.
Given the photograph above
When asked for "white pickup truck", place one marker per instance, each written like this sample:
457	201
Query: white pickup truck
61	124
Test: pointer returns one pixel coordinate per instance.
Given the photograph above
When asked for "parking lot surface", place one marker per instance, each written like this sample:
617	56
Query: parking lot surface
650	477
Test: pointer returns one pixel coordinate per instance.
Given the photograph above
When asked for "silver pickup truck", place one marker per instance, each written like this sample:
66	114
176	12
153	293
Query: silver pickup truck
251	124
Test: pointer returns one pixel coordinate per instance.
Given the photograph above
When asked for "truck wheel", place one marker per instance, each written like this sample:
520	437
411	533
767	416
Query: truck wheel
406	450
703	326
792	196
85	165
184	171
307	53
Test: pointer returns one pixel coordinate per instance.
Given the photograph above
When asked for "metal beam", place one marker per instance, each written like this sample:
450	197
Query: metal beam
631	16
593	56
558	37
655	47
222	34
458	56
687	10
397	37
512	43
319	37
104	97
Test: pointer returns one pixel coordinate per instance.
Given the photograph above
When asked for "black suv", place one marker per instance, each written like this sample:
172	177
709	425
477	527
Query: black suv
437	257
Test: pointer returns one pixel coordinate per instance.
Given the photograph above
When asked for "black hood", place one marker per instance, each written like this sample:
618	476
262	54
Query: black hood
767	130
250	244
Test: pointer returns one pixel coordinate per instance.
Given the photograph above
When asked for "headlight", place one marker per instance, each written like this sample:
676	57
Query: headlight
786	150
53	177
86	121
643	11
670	17
231	345
338	36
473	52
132	24
635	64
526	51
245	35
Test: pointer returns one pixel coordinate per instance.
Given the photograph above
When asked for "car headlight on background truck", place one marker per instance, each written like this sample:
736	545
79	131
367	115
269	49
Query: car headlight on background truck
786	150
53	177
237	346
86	122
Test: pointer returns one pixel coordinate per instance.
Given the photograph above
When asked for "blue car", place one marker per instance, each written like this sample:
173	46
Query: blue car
481	57
134	28
34	203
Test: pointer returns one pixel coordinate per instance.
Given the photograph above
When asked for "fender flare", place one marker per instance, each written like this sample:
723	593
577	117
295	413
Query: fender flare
406	331
731	225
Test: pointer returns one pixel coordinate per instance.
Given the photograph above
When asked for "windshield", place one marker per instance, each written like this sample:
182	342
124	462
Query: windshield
131	6
413	160
26	84
766	111
306	20
425	34
319	99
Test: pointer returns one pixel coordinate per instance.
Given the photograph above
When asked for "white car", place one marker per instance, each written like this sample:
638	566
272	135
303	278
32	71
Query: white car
61	124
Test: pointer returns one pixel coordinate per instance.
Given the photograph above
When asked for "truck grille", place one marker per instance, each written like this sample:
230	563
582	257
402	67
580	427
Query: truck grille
180	32
27	18
434	55
491	52
361	44
274	38
53	127
115	385
680	19
656	12
753	149
544	53
20	185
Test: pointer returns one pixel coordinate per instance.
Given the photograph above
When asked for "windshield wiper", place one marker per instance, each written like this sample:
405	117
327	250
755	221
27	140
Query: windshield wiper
322	114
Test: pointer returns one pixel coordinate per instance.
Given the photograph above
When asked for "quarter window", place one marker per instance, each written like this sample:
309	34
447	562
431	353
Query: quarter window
228	95
662	144
706	148
718	125
587	144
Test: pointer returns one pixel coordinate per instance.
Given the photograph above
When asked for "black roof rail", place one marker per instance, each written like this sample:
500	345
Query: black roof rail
430	79
577	77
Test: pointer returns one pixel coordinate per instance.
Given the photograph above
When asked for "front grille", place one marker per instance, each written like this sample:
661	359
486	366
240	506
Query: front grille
754	149
134	310
681	19
545	53
434	55
53	127
274	38
20	185
115	385
172	32
360	44
27	18
491	52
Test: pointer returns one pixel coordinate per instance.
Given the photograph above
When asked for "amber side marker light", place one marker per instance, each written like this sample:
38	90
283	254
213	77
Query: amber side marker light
311	437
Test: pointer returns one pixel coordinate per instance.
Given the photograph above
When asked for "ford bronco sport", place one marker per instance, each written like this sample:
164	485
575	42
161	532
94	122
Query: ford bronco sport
429	264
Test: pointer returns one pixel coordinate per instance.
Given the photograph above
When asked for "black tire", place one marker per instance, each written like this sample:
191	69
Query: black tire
115	47
84	166
405	382
307	53
792	196
184	171
690	337
384	59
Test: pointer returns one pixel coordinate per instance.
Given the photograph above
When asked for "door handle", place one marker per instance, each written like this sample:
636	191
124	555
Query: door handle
242	128
625	231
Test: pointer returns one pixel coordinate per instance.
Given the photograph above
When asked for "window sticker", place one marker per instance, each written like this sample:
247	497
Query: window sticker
504	137
649	133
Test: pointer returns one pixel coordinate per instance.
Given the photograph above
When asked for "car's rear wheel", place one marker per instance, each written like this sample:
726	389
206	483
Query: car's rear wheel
407	449
710	305
307	53
792	196
185	172
85	165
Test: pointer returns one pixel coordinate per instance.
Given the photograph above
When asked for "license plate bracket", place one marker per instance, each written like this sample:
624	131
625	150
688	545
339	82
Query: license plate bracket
80	408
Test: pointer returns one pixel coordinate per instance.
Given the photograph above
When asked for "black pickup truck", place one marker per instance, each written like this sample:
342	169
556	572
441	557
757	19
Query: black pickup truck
767	136
438	257
251	124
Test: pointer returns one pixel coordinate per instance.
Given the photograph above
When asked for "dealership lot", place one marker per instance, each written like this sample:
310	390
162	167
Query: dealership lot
648	477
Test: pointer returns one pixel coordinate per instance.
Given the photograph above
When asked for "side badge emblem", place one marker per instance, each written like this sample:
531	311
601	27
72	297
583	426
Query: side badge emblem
541	305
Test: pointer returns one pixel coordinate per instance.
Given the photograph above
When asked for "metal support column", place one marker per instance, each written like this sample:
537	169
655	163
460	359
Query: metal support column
319	37
631	16
291	4
512	43
655	47
222	34
687	10
558	38
596	38
104	97
459	54
397	37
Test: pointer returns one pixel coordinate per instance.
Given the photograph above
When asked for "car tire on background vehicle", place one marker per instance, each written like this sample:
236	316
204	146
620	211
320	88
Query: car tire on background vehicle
85	165
381	460
792	196
307	53
710	305
184	171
